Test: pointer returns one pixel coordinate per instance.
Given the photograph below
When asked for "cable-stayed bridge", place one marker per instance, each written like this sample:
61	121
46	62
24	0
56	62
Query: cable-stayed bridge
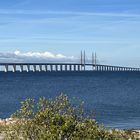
65	66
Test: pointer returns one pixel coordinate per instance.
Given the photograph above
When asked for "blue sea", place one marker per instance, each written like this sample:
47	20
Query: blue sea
113	96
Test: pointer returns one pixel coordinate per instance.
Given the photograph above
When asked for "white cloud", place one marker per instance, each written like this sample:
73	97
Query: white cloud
19	56
43	55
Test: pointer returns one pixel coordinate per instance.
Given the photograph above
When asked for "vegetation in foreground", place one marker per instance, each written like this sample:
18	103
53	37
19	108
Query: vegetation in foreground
58	119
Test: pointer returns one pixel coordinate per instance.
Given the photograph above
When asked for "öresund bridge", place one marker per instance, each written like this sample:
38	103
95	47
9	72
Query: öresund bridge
49	67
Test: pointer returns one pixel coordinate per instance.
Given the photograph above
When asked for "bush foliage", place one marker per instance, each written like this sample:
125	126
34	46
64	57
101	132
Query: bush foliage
58	119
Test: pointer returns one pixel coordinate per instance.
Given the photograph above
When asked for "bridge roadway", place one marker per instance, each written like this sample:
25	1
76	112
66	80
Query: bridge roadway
61	67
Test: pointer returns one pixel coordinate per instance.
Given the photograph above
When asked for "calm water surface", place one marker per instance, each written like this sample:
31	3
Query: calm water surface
114	96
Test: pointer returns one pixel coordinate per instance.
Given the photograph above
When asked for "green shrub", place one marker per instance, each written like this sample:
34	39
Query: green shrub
58	119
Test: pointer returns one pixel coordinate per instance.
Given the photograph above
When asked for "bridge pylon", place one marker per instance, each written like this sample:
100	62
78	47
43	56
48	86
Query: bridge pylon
83	59
94	60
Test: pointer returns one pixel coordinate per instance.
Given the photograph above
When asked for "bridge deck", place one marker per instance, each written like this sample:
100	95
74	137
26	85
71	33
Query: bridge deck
65	67
87	64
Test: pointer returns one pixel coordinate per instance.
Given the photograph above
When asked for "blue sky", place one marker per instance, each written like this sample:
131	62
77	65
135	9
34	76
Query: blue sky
109	27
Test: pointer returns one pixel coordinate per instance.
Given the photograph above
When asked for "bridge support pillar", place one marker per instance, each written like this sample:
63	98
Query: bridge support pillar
51	67
34	68
74	67
78	67
84	67
61	67
56	67
66	68
28	68
96	68
81	67
14	68
70	68
107	68
6	68
21	68
102	68
93	67
99	68
112	68
40	68
46	68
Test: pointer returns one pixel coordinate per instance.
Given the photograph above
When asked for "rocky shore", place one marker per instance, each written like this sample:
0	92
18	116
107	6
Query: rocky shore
3	124
7	121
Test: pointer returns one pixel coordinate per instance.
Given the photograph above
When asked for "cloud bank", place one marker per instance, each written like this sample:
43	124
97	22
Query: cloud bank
19	56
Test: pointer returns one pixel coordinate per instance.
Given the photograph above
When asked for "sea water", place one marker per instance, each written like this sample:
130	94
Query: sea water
114	97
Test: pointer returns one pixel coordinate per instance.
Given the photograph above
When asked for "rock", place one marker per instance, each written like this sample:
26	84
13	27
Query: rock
2	122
